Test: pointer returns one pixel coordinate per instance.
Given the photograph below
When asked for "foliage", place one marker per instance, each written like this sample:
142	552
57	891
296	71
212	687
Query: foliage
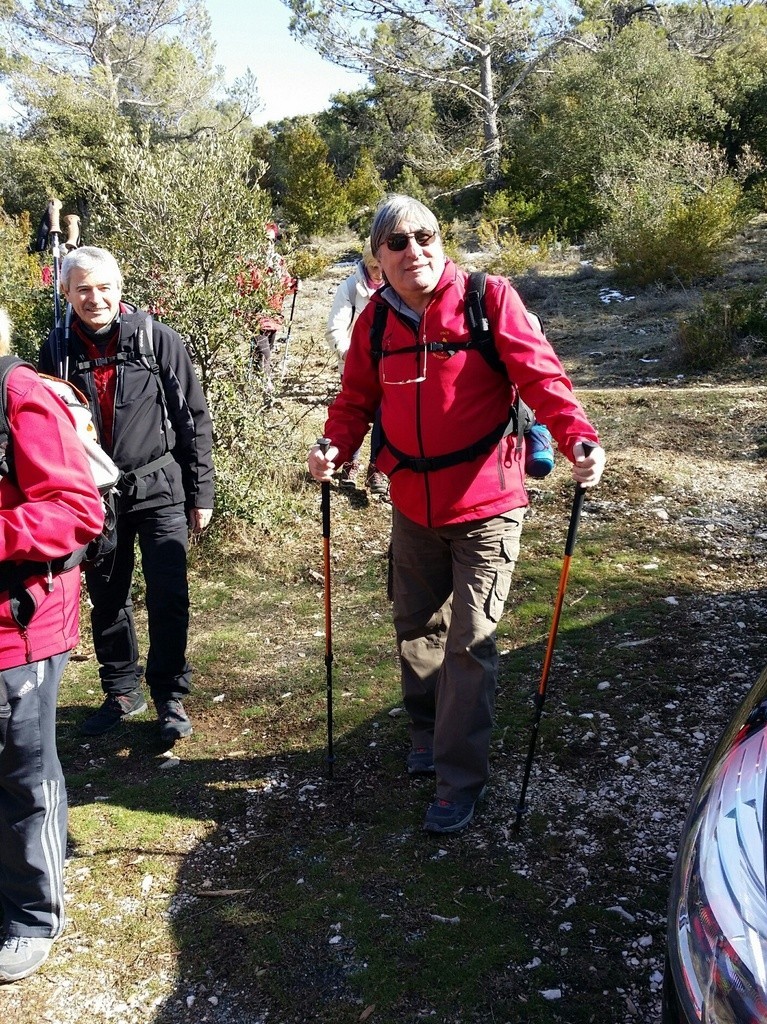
22	292
363	191
459	52
721	329
256	454
513	255
308	261
182	220
150	61
309	194
599	108
672	218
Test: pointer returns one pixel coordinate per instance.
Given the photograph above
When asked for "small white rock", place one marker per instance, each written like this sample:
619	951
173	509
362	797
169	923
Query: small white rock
552	993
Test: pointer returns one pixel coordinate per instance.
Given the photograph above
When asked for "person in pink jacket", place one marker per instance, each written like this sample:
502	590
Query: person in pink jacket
456	483
49	508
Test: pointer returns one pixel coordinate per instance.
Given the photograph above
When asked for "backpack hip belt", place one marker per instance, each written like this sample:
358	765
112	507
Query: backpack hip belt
133	483
467	454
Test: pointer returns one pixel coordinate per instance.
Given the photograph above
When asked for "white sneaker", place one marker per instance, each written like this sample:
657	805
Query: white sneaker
21	955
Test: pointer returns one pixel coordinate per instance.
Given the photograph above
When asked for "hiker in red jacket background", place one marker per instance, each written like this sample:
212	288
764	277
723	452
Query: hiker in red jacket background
456	483
49	508
279	283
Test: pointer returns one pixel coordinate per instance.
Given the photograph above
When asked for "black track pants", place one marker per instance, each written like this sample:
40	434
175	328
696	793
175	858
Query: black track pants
33	801
162	535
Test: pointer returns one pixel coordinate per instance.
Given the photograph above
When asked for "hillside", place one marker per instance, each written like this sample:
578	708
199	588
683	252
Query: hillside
234	880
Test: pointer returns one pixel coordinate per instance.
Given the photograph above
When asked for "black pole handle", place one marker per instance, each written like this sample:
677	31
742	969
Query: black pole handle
324	444
575	515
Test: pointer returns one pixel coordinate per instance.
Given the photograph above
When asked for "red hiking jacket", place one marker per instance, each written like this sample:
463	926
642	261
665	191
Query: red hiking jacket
49	510
460	401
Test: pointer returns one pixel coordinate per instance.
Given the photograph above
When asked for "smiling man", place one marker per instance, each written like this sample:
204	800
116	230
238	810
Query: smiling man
153	420
457	482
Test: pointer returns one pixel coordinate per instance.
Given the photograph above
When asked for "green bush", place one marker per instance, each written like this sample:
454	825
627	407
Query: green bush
722	329
513	255
259	453
28	302
566	209
308	261
659	232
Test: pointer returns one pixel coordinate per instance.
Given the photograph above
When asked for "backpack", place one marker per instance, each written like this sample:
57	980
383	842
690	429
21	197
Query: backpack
105	473
521	418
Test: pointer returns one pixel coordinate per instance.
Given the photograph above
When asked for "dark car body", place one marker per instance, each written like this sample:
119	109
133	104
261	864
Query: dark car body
716	963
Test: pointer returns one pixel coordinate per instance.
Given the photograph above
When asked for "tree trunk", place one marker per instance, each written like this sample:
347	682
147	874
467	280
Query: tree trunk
492	150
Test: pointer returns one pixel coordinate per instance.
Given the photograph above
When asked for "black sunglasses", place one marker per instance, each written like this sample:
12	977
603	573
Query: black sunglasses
397	241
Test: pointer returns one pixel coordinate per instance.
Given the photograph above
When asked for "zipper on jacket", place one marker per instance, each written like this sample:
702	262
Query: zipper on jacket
421	336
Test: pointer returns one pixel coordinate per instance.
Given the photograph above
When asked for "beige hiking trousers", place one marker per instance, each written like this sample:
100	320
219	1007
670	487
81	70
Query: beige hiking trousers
449	586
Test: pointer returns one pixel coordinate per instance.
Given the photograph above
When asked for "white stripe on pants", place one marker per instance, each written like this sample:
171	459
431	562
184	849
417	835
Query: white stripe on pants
33	803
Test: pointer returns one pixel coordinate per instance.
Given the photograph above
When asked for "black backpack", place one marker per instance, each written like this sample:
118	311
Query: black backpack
521	417
105	472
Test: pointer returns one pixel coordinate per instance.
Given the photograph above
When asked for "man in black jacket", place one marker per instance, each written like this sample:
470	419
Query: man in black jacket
154	422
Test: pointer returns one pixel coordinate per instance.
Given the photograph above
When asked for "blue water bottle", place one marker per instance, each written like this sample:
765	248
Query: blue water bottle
539	451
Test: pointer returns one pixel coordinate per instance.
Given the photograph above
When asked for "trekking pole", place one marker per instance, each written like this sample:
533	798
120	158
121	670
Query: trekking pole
324	443
540	696
54	233
72	241
287	336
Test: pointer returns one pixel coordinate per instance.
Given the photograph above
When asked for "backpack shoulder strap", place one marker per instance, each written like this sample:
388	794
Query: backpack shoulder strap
377	328
478	323
7	363
145	341
522	416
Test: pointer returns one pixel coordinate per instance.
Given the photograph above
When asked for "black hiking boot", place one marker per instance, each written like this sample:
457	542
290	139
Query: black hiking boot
115	708
174	721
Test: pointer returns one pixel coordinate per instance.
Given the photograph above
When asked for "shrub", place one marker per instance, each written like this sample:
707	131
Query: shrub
565	208
308	261
671	218
723	329
258	455
513	255
27	300
680	244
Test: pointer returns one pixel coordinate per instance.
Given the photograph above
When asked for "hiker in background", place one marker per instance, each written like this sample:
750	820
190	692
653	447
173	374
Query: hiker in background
352	295
153	420
49	508
457	483
279	284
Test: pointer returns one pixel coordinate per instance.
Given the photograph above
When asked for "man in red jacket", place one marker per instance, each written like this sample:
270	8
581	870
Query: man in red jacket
457	483
49	508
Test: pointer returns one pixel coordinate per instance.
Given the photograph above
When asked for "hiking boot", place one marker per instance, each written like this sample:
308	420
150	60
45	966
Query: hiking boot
174	721
420	761
377	482
115	708
445	816
21	955
349	473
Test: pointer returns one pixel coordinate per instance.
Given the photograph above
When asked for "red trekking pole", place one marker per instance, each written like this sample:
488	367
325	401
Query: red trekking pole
540	696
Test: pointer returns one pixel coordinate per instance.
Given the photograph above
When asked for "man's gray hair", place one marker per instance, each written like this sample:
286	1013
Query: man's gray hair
5	332
89	258
395	209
